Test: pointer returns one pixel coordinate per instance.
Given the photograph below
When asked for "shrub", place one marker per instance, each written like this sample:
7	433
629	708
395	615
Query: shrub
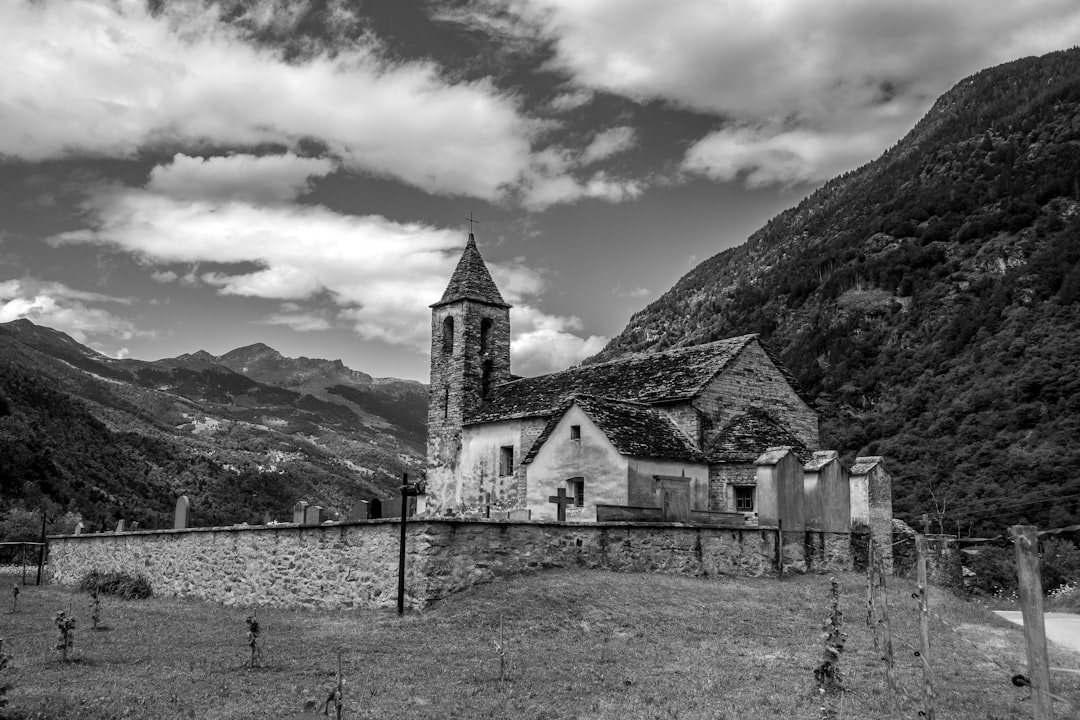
117	584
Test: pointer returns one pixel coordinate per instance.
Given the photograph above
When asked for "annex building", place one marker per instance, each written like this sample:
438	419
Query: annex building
677	428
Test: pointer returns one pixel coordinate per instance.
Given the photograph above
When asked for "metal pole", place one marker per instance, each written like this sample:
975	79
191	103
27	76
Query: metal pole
41	550
401	552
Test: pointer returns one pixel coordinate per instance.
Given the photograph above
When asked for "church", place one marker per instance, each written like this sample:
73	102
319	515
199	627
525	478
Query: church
682	426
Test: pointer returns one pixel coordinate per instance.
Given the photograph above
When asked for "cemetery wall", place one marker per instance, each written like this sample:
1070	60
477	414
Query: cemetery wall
346	565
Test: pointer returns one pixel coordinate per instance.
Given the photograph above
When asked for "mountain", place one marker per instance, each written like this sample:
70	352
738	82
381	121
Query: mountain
243	434
930	302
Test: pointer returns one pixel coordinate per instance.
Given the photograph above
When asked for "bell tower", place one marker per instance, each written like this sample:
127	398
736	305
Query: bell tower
470	355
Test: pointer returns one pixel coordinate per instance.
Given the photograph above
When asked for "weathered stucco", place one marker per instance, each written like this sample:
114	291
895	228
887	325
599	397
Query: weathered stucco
643	486
480	468
591	457
344	565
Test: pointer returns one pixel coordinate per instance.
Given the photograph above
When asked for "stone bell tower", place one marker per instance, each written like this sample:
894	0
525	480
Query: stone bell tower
470	355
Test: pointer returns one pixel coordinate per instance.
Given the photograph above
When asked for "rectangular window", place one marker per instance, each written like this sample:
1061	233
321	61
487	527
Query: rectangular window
506	460
575	432
744	499
575	487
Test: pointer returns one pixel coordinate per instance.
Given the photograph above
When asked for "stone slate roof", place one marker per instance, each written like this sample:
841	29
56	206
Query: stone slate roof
471	280
773	455
634	429
864	465
747	435
821	459
647	378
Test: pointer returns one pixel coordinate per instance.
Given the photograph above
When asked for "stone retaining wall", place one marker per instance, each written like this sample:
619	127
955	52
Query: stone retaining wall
354	564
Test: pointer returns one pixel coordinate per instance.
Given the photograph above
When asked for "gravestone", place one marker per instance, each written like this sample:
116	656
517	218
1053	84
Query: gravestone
134	526
119	526
560	500
298	512
78	528
314	515
361	510
520	514
180	515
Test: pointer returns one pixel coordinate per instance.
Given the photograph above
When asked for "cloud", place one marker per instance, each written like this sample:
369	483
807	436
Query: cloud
791	76
64	308
107	79
265	179
549	181
567	101
609	142
372	275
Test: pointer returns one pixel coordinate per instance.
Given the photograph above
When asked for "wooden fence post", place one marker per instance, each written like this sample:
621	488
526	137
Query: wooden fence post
883	620
924	625
1031	606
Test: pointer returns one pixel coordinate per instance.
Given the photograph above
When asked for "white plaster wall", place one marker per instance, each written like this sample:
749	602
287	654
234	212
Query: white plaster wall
860	499
642	470
592	457
478	468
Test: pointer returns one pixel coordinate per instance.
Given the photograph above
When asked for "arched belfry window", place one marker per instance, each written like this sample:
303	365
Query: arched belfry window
448	335
485	379
485	334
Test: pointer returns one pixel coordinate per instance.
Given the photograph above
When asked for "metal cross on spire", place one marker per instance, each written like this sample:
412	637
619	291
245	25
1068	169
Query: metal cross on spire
472	222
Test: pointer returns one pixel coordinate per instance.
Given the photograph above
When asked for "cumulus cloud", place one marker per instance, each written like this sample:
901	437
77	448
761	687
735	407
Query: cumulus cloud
369	274
799	74
64	308
260	179
90	78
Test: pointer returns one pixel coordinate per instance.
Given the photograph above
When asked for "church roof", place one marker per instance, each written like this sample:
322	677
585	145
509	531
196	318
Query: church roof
747	435
634	429
471	280
647	378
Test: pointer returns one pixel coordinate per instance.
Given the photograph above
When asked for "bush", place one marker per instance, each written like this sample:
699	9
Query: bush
117	584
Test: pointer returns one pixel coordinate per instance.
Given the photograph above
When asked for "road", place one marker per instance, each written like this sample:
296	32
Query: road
1061	628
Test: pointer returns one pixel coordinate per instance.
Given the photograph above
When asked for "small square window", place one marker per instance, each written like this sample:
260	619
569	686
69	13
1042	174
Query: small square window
575	432
506	460
744	499
576	489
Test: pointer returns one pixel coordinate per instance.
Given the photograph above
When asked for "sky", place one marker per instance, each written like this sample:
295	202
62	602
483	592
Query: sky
181	176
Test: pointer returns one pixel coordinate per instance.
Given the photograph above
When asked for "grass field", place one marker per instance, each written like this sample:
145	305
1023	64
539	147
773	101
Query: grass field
577	644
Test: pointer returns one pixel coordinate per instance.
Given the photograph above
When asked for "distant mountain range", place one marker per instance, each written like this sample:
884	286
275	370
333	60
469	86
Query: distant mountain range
244	435
930	302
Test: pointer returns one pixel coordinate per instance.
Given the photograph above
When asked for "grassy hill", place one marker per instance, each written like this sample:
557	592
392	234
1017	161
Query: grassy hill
559	644
930	302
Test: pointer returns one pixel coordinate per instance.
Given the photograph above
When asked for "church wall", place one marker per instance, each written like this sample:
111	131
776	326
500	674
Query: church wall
592	457
642	486
685	417
479	466
531	429
753	380
723	477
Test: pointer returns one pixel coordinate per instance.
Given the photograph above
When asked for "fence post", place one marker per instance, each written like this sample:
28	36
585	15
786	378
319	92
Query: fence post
780	547
1031	606
883	620
924	625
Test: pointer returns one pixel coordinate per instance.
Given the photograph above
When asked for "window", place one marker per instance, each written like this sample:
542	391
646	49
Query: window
506	460
575	487
485	334
744	499
448	335
575	432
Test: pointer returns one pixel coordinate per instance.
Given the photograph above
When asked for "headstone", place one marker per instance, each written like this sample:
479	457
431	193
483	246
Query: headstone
314	515
134	526
78	528
520	514
119	526
180	516
361	510
560	500
298	512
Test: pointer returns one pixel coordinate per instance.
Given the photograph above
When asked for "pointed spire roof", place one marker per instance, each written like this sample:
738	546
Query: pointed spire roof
471	280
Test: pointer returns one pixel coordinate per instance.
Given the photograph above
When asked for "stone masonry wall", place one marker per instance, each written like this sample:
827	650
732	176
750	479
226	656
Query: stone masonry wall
346	565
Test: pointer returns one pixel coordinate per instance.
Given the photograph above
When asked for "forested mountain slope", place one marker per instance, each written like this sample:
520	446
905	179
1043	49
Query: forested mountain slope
116	439
930	302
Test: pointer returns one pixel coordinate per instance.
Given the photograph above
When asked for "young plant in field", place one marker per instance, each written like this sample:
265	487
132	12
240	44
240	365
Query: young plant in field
253	638
95	609
502	651
66	639
15	597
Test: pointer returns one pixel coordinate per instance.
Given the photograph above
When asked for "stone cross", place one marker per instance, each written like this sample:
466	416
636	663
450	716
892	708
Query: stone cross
298	512
180	516
561	500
